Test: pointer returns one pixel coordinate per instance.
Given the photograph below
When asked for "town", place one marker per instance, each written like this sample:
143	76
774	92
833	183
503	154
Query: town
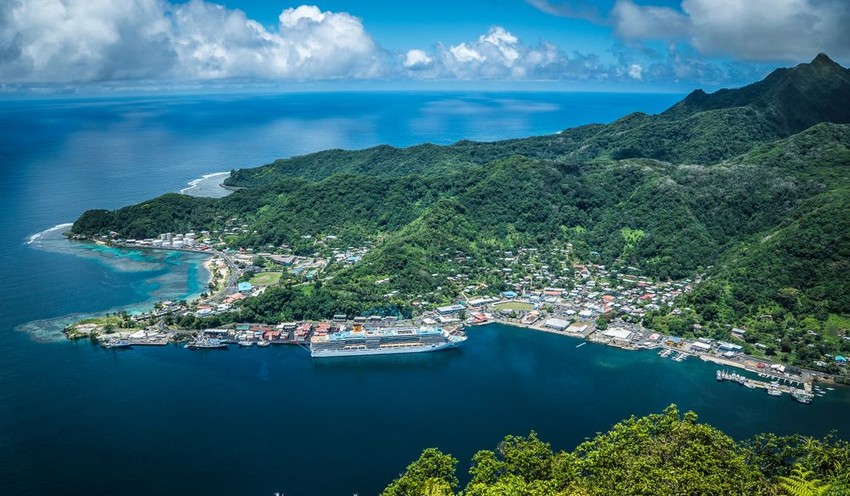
547	291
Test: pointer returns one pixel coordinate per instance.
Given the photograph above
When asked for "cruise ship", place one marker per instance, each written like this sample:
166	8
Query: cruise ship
361	341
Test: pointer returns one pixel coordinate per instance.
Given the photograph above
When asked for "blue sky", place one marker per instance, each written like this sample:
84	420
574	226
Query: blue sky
636	45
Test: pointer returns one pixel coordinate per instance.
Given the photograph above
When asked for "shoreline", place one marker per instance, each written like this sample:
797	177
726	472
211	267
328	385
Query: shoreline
201	187
591	334
749	364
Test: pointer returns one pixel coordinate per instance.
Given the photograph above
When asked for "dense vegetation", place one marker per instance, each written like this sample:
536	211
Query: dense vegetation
666	454
719	184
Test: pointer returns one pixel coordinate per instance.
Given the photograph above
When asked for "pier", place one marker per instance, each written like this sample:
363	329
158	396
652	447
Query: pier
775	388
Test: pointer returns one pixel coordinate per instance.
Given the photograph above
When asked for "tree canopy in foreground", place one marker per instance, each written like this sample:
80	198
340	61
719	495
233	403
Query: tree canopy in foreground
662	454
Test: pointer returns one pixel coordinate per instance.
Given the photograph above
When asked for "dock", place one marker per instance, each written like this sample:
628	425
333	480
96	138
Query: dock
774	388
150	341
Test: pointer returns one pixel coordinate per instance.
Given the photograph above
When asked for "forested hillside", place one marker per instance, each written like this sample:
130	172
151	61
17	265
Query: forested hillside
719	185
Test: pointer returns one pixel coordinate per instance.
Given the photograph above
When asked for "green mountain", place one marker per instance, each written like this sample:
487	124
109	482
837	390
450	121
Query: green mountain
791	99
747	185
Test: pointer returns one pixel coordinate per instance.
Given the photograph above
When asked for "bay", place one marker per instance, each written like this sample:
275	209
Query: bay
76	419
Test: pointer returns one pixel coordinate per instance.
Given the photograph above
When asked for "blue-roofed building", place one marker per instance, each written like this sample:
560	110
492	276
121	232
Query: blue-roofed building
841	359
509	294
245	287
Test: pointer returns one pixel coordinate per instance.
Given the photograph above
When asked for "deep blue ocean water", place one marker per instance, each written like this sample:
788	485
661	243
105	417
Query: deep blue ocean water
75	419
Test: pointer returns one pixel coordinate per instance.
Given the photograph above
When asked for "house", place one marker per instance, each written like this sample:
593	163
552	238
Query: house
557	324
481	301
449	309
577	328
700	346
738	332
724	346
618	333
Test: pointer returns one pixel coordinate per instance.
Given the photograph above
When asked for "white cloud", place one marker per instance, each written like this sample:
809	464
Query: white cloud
68	41
417	59
753	30
748	29
50	40
770	29
498	54
85	40
635	21
465	54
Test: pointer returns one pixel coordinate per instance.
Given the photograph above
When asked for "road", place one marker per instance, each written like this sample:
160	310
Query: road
230	283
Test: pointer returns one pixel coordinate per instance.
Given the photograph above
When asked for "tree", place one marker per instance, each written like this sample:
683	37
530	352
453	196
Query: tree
433	471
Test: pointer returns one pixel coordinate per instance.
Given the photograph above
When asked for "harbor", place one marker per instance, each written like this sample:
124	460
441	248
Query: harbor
773	385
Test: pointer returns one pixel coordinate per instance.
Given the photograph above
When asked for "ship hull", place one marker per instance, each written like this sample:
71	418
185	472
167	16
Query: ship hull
384	351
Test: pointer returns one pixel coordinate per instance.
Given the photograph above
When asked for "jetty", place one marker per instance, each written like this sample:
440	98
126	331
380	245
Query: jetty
775	388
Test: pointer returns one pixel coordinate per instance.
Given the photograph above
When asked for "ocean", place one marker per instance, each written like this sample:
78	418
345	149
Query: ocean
76	419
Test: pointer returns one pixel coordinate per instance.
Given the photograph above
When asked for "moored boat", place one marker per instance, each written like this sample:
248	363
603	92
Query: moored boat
116	343
801	396
206	344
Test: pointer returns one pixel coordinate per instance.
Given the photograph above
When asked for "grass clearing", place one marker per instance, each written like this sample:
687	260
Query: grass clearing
266	278
515	305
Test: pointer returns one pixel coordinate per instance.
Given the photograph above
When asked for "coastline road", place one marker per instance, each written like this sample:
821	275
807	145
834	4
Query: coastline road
229	286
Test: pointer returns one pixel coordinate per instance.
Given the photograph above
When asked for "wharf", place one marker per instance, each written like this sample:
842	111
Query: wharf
150	341
771	387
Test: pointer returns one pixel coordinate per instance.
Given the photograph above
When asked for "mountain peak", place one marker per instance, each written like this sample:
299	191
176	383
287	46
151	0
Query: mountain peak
823	59
792	99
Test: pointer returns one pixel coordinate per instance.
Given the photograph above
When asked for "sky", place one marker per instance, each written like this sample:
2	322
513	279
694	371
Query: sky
640	45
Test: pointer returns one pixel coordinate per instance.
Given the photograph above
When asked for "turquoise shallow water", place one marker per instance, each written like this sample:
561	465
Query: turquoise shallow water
75	419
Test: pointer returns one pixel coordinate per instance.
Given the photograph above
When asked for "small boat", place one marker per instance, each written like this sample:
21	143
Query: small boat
582	344
830	389
801	396
116	343
263	343
774	391
245	343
